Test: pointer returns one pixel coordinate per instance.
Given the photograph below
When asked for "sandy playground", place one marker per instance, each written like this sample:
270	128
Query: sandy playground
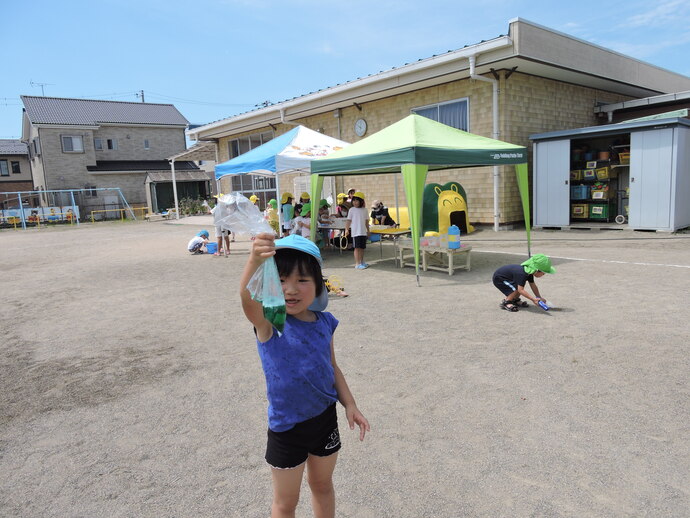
130	384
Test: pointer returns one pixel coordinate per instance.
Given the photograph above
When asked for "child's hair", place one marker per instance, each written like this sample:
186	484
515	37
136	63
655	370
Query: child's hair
298	208
289	259
363	204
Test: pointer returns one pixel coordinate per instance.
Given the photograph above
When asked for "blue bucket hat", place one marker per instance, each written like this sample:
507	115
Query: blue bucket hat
300	243
304	245
203	233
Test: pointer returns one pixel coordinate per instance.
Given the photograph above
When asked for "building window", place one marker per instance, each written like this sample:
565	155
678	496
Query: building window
453	113
241	145
98	144
112	143
72	144
90	191
4	170
262	186
146	144
16	168
37	146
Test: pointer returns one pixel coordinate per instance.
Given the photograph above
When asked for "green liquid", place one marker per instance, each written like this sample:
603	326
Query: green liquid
276	316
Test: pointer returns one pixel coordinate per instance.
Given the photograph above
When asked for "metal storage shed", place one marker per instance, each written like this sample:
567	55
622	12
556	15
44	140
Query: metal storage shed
656	181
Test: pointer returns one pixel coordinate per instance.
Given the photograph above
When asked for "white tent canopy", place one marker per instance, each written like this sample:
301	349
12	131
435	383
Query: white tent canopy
288	153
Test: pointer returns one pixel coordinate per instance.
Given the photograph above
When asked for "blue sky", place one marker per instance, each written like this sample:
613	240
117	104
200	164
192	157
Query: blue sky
216	58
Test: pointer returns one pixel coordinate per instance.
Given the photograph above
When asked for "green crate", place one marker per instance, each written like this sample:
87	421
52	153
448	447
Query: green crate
598	211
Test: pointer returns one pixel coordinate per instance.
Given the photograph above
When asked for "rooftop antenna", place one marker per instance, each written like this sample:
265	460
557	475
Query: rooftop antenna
43	93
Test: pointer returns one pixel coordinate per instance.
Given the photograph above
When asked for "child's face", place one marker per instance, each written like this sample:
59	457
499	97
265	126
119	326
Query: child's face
299	292
356	202
538	274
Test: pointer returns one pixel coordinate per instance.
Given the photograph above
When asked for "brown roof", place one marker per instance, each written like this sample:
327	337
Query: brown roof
140	165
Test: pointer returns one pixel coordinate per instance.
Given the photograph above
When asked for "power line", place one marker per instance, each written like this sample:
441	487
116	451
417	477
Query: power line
192	101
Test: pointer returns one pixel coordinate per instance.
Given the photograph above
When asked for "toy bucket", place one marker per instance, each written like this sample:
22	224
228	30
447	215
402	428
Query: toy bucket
211	248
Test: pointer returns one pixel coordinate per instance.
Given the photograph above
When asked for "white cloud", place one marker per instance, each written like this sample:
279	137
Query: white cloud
642	50
667	12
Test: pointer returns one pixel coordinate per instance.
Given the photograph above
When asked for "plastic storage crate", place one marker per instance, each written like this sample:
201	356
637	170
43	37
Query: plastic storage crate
579	211
624	158
601	194
603	173
589	175
598	211
576	174
579	192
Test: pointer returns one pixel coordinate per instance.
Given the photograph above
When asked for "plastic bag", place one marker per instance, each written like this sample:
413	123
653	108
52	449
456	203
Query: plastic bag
236	213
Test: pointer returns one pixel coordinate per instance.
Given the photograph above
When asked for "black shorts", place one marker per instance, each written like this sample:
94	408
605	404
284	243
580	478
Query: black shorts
316	436
505	287
360	241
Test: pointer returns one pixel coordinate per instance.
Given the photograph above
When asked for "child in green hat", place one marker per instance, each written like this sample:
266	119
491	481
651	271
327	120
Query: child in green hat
511	279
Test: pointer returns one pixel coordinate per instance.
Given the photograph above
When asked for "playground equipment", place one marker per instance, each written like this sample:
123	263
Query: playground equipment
33	208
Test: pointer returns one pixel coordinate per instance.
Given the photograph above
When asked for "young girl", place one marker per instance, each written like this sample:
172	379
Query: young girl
305	222
303	380
287	211
296	223
357	225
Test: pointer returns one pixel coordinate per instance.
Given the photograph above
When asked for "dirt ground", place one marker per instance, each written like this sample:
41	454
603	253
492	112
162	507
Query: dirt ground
130	385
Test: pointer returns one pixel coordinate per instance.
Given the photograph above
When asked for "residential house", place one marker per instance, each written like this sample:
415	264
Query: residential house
15	171
532	80
89	144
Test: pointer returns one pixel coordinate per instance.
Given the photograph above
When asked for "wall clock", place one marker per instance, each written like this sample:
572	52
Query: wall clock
360	127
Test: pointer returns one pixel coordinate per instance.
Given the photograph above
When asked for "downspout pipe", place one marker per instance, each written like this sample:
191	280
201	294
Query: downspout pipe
495	134
282	118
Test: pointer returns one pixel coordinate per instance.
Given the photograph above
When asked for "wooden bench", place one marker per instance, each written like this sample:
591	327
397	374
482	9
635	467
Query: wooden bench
451	253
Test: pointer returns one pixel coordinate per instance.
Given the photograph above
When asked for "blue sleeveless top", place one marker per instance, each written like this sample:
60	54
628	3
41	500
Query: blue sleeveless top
300	380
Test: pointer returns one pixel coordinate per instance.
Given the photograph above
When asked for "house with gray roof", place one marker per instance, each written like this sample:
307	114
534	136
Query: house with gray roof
91	144
15	170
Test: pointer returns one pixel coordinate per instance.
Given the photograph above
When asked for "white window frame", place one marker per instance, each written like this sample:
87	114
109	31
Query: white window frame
466	100
98	143
73	139
241	145
6	170
111	144
147	144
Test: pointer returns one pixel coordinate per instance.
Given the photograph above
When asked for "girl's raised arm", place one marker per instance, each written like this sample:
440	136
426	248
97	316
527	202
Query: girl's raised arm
263	247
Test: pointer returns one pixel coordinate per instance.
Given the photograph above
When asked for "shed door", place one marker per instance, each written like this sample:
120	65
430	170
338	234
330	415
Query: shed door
651	165
551	183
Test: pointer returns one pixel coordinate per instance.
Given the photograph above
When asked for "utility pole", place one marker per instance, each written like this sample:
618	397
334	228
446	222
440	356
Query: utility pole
142	96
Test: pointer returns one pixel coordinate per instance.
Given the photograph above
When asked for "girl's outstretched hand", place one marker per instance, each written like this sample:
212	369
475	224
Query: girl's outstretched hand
354	416
263	246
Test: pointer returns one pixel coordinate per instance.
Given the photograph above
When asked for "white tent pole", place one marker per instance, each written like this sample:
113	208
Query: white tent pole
177	208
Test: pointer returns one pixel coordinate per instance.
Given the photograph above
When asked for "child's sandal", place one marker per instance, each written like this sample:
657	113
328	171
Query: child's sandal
508	306
520	303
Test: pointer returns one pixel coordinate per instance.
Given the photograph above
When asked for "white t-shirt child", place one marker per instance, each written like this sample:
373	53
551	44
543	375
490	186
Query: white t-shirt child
358	217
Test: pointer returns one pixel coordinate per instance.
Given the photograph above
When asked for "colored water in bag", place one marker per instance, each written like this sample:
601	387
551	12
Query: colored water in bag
265	287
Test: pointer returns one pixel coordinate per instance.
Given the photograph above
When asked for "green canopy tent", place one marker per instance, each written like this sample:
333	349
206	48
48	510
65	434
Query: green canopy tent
413	146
